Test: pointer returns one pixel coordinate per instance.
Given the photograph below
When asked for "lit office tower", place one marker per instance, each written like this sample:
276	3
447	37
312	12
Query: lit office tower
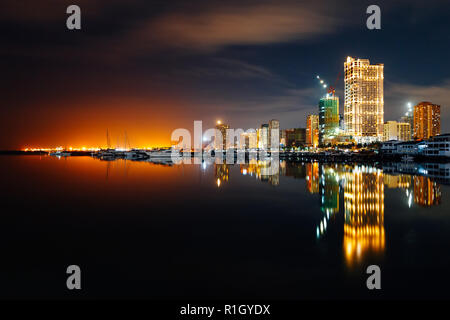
409	119
328	119
222	128
427	120
364	102
263	137
274	129
312	130
394	130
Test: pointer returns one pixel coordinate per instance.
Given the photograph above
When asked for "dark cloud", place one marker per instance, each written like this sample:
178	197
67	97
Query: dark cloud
242	61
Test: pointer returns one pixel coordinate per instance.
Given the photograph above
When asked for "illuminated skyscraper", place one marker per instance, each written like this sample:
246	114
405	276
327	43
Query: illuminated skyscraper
328	119
427	120
263	137
220	141
364	100
274	133
312	130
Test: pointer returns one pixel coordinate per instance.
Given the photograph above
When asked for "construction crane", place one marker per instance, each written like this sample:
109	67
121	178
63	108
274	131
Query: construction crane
331	89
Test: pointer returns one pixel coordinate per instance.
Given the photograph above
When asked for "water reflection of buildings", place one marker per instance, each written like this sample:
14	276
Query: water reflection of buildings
421	181
364	213
329	190
221	173
265	171
363	197
312	177
427	192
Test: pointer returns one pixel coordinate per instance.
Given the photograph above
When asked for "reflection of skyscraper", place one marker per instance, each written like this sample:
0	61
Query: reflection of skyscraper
266	171
222	128
364	213
427	192
329	190
364	100
427	120
312	177
402	181
222	172
312	130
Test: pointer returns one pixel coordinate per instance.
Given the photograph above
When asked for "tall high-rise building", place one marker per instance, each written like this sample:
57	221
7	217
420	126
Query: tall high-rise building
263	137
427	120
312	130
220	142
364	100
328	119
274	128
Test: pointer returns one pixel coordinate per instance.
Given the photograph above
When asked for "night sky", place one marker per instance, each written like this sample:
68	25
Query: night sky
149	67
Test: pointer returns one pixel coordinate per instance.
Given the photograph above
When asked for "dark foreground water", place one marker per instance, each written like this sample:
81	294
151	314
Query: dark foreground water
147	230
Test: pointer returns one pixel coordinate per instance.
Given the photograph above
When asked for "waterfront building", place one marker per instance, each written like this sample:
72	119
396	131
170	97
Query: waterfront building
274	128
328	119
295	137
427	120
364	100
393	130
409	118
283	140
263	137
438	146
312	130
404	131
221	135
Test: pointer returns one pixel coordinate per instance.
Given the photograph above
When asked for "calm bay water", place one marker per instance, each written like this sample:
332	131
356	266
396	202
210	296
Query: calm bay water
158	231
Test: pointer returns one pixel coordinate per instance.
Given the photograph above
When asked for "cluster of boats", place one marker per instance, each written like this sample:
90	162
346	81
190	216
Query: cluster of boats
133	154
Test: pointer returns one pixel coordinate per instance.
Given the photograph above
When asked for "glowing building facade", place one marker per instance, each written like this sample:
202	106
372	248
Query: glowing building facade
393	130
221	135
328	119
263	137
274	134
312	130
364	100
427	120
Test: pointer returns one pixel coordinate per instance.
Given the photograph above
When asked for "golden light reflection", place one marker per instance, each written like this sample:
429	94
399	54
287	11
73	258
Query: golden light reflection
364	214
312	177
427	192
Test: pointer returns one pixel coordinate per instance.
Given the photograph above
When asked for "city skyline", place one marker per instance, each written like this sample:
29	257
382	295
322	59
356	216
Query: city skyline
141	76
